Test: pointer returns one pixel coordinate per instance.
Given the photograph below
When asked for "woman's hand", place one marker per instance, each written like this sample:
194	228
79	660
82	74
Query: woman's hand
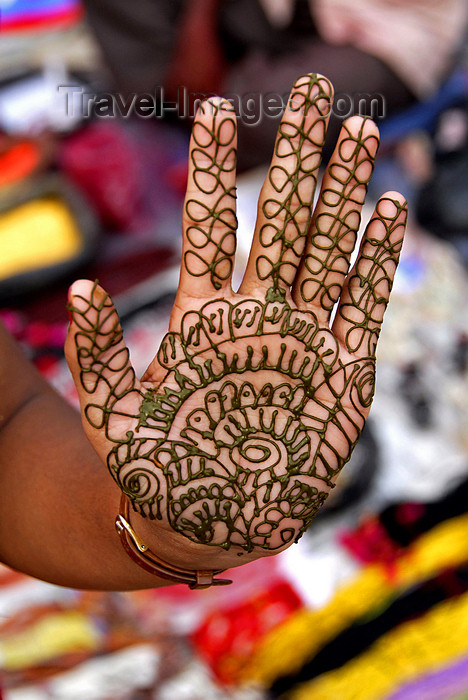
237	431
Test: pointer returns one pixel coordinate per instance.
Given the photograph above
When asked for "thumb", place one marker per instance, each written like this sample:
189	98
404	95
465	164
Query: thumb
100	362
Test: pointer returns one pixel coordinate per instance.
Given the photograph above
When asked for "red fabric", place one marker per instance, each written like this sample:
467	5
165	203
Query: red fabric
370	544
102	162
229	636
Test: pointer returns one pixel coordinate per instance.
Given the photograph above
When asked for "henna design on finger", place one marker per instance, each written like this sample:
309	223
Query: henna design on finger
260	404
370	283
105	370
337	218
211	216
291	182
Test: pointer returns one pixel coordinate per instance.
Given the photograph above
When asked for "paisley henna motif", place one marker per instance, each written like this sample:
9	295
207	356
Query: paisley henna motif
261	402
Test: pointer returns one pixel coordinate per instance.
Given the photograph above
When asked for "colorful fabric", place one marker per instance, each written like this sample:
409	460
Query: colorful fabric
415	648
405	522
287	648
33	14
442	684
360	636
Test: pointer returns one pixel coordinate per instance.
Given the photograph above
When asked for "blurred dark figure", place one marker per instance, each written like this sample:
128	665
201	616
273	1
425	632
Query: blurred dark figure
442	202
398	49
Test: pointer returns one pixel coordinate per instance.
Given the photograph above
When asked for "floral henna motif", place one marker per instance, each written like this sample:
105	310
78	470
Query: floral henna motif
254	419
260	404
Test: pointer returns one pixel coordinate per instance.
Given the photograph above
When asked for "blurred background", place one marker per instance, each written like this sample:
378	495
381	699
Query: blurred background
373	601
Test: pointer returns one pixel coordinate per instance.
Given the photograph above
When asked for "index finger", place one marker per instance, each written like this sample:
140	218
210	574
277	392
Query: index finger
209	219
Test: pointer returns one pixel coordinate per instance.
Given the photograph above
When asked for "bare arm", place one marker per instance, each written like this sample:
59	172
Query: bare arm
51	482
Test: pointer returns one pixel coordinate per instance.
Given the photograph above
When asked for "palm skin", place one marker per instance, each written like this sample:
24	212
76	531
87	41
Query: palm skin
236	432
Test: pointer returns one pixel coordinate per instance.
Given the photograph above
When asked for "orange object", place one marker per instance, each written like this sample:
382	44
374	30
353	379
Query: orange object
18	162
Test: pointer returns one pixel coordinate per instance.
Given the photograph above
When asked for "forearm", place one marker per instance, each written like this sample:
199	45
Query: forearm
57	501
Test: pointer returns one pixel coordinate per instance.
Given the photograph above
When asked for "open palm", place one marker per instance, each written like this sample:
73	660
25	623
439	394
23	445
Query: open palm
237	430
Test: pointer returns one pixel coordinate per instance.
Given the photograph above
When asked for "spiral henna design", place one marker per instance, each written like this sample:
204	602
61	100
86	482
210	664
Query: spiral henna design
269	416
261	404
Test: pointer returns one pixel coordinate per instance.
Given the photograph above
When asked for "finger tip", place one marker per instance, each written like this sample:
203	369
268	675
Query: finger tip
310	93
323	83
84	294
395	196
361	125
213	106
395	199
83	288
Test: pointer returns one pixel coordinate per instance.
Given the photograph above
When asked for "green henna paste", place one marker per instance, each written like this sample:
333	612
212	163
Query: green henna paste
241	447
260	407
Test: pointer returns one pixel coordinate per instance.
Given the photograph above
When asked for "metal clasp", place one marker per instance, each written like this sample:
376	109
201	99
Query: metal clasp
121	523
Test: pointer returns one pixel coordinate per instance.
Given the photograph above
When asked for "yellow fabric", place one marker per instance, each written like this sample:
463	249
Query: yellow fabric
415	648
51	637
37	234
287	647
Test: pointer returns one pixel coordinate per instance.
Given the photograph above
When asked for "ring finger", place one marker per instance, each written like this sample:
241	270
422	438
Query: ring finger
336	218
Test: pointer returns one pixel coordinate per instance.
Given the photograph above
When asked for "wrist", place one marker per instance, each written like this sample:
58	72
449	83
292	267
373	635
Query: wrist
139	551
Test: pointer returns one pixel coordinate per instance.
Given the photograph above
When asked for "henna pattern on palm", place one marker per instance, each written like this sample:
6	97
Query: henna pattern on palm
253	404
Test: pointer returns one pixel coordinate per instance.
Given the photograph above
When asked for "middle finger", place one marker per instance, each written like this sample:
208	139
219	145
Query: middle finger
284	207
